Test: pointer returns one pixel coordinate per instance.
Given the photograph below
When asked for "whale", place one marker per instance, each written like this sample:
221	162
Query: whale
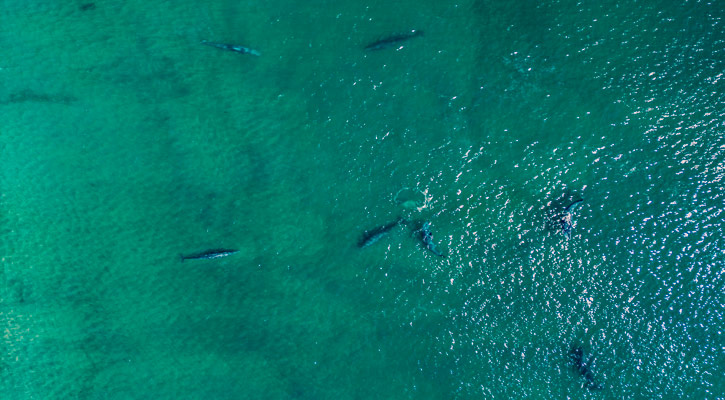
567	224
426	236
209	254
583	367
232	47
392	41
372	236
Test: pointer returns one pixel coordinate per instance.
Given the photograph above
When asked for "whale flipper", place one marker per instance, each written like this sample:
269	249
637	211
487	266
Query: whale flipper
573	206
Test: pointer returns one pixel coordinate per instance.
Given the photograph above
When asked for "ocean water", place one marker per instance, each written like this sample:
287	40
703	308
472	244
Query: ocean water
124	143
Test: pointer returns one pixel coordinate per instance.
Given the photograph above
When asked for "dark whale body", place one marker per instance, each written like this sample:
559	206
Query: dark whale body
209	254
426	236
392	41
583	367
372	236
566	218
232	47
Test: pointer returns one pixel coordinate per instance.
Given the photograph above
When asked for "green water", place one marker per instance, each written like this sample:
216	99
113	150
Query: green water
125	143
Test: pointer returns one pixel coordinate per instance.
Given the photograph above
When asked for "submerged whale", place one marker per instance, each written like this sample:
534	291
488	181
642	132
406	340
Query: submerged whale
232	47
583	367
392	40
209	254
373	235
426	236
566	219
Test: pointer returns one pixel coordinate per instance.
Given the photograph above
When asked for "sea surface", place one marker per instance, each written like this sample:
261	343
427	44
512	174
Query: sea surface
126	143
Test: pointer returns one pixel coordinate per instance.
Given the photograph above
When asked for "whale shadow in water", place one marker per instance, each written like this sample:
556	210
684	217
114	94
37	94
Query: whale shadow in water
31	96
583	366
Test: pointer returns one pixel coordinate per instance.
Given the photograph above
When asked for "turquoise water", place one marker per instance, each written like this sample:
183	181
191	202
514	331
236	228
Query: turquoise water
125	143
